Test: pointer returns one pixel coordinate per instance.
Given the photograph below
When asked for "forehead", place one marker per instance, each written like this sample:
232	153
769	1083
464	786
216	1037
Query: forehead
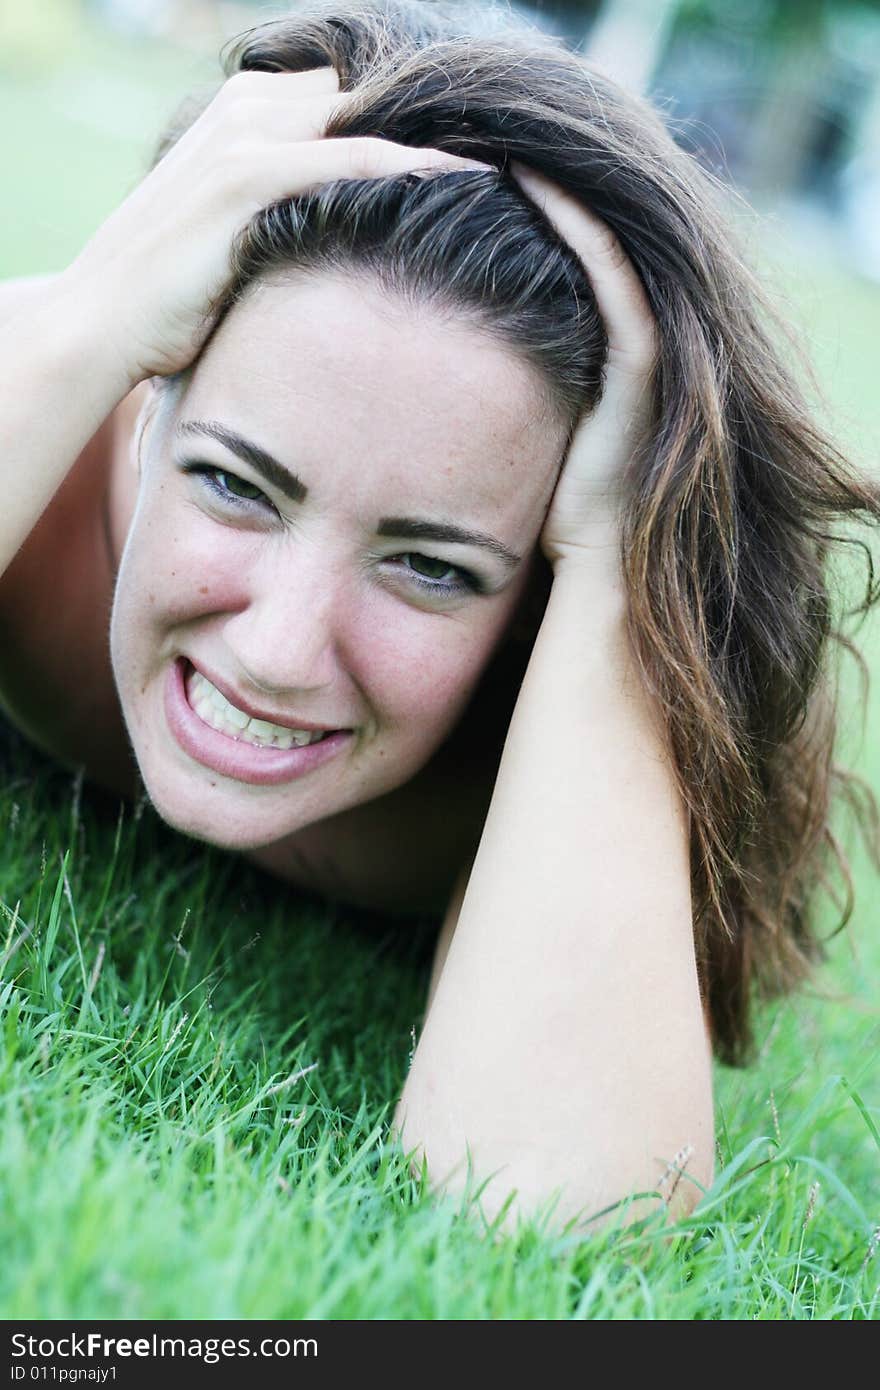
342	382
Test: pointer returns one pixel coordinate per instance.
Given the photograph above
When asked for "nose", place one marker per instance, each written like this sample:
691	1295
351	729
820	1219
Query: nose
288	640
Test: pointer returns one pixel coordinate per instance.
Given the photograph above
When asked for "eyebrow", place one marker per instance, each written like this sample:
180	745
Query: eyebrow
263	463
413	528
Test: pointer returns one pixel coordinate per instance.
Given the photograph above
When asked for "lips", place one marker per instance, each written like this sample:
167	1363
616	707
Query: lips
234	758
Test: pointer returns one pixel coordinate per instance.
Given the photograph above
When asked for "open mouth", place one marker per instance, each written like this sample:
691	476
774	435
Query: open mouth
229	741
213	708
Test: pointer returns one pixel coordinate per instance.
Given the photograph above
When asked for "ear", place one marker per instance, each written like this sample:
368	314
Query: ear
144	405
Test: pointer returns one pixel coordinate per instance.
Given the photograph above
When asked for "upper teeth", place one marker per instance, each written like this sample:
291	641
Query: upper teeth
214	708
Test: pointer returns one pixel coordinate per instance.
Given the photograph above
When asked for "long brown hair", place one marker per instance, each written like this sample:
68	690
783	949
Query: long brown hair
733	513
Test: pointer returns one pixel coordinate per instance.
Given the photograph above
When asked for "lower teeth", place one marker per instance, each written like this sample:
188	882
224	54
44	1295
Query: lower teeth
254	743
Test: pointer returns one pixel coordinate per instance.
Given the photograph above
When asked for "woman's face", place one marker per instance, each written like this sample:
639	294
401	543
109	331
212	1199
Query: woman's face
286	562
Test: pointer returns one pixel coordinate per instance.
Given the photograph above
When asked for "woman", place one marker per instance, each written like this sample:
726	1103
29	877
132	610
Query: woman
460	548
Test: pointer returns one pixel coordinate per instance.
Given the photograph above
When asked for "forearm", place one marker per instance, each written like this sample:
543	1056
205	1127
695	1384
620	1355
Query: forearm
60	380
565	1042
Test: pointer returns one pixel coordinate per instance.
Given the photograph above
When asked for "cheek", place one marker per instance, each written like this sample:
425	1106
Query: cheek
176	572
421	668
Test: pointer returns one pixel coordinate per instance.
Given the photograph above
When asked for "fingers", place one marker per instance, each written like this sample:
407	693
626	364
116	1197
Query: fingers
621	299
293	106
360	157
283	85
267	112
316	81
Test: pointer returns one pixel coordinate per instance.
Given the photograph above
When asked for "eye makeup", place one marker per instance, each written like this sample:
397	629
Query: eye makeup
228	490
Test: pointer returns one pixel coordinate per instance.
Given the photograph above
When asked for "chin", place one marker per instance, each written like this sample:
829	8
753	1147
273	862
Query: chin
216	825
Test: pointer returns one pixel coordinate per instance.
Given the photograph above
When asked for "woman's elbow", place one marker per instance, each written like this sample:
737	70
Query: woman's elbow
565	1187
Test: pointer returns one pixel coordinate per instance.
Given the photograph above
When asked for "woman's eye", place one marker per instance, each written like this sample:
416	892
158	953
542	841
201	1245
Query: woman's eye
225	487
429	567
438	577
238	487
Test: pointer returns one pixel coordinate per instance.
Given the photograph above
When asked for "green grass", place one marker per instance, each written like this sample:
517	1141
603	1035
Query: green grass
199	1066
197	1074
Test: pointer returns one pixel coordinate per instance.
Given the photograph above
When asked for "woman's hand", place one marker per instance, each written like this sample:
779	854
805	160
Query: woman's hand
156	268
583	515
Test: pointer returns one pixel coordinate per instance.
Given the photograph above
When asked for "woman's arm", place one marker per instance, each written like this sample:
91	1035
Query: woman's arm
565	1046
24	291
565	1043
447	931
59	380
